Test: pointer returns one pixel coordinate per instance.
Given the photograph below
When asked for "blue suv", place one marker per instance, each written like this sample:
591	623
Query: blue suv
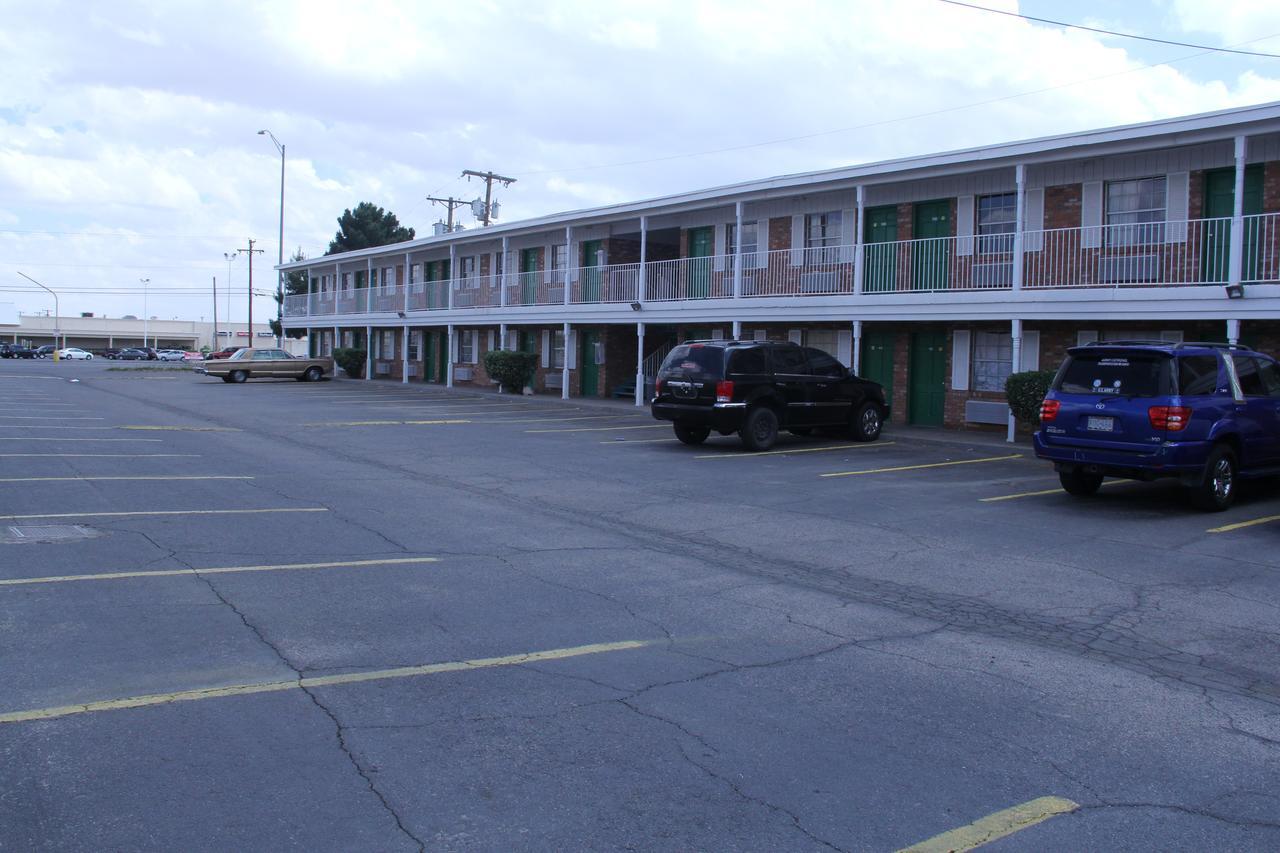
1205	413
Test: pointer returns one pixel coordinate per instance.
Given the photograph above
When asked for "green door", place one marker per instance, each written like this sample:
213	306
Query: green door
592	260
701	245
880	258
589	371
429	357
877	360
930	249
1219	205
528	276
925	389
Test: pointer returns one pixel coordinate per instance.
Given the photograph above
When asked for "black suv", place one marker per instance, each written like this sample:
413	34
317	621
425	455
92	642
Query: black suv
755	388
16	351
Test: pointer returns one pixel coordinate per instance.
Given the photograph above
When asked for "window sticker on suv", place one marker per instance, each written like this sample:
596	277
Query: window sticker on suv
1142	376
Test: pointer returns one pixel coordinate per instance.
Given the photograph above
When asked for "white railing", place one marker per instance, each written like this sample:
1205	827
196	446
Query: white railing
1151	254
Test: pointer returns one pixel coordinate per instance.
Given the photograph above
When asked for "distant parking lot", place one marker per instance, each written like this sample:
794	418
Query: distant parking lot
349	615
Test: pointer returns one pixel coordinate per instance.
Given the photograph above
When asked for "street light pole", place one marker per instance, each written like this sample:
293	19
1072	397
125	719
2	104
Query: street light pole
145	282
279	272
231	257
56	312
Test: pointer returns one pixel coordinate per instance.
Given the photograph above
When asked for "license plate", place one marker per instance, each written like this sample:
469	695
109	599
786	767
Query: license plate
1101	424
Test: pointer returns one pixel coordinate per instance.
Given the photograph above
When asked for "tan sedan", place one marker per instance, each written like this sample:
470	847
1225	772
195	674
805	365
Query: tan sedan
251	363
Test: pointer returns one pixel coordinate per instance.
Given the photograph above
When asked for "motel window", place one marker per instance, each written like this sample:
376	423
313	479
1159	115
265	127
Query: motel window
997	220
559	256
822	234
415	346
557	350
1135	212
992	360
750	243
823	339
387	346
469	267
467	347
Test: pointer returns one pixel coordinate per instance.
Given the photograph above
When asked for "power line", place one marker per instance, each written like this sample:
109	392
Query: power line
957	108
1112	32
118	234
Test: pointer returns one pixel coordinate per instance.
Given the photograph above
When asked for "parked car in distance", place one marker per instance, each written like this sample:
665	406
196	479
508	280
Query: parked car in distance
16	351
131	354
75	354
170	355
192	356
1207	414
756	388
253	363
111	352
226	352
45	351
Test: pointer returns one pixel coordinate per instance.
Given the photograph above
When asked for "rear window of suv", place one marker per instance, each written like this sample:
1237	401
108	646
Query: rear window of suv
696	359
1124	374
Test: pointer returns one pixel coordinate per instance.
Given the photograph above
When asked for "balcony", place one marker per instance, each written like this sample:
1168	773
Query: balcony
1135	255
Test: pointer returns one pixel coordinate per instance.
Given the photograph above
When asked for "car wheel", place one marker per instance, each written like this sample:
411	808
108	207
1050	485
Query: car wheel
867	422
1217	488
238	376
760	430
691	434
226	379
88	357
1079	483
313	374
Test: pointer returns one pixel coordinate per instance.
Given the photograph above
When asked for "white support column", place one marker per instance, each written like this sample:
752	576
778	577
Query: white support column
564	371
737	257
639	364
568	264
368	290
1019	228
1016	329
1233	332
1237	216
453	275
859	255
404	356
337	342
856	367
644	248
502	282
502	336
368	351
737	330
404	283
448	359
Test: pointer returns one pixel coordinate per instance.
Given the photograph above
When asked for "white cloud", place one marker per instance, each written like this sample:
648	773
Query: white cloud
1234	22
143	123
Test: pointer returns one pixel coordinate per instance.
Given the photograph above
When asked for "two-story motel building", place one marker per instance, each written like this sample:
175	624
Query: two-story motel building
935	275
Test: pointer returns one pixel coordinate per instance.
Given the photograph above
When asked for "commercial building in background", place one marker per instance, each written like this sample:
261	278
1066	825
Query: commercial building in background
99	333
936	275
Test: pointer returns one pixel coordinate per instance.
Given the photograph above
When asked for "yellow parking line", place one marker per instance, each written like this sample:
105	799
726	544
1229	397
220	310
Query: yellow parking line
143	477
1227	528
160	512
182	428
918	467
40	438
383	423
998	825
1056	491
732	455
316	681
224	570
620	441
600	429
99	455
554	420
47	418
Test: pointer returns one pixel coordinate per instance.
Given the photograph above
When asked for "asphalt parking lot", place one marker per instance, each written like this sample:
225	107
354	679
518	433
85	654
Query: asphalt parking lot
352	615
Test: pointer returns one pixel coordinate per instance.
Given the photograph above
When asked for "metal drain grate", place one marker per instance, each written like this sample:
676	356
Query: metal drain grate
46	532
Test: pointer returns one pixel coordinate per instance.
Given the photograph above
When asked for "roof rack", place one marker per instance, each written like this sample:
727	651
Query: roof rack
1174	344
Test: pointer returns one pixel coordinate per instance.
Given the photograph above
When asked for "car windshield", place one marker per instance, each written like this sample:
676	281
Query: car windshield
238	354
1124	374
696	359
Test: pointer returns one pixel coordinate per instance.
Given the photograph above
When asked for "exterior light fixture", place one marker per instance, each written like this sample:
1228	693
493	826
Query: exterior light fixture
1235	291
636	306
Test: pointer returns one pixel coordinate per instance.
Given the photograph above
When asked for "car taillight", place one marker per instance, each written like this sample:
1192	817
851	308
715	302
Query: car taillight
657	388
1049	410
724	391
1170	418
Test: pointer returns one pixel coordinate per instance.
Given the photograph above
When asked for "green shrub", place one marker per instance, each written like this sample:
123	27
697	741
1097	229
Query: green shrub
1026	391
512	370
350	359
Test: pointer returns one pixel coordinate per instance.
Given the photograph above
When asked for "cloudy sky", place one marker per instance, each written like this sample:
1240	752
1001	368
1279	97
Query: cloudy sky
128	131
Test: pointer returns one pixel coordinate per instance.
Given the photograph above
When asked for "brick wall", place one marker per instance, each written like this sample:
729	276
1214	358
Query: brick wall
622	250
1271	187
1062	206
779	233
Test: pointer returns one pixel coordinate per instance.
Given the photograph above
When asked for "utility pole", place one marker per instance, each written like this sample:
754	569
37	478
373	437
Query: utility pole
215	314
488	178
249	251
450	204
